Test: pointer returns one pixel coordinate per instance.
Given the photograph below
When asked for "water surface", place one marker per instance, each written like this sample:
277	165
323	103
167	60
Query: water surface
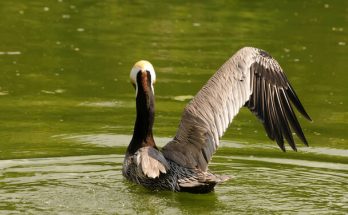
67	107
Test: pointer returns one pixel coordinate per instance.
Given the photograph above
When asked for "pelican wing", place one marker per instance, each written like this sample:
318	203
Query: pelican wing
150	162
249	78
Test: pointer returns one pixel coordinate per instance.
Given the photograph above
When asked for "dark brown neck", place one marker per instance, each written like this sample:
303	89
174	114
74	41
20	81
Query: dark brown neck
142	135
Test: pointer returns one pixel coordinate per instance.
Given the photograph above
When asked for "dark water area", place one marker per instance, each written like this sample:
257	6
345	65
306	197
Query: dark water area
67	107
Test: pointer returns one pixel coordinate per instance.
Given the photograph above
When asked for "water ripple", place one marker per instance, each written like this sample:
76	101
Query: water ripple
94	183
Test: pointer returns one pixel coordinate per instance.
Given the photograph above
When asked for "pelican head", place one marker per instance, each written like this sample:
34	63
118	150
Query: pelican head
142	70
143	77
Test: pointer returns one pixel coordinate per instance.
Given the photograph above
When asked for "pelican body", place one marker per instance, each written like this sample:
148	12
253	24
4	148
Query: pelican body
250	78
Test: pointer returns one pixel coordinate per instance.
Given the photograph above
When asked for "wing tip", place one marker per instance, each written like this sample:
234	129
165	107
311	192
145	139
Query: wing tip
280	115
308	117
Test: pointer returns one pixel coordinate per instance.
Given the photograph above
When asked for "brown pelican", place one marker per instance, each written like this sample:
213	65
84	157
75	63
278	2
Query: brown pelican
250	78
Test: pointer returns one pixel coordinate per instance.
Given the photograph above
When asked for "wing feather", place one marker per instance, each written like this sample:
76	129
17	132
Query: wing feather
150	162
251	78
274	108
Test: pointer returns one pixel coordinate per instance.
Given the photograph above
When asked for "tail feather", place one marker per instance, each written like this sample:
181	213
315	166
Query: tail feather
203	182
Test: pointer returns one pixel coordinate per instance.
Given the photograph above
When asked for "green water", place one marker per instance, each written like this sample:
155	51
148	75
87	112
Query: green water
67	107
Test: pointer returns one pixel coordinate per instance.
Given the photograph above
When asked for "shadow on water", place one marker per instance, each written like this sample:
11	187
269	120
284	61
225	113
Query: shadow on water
166	202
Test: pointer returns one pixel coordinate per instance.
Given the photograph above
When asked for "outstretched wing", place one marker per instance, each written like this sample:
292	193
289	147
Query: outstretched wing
252	78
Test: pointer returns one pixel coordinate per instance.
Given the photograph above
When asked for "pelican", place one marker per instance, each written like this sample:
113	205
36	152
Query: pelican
250	78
